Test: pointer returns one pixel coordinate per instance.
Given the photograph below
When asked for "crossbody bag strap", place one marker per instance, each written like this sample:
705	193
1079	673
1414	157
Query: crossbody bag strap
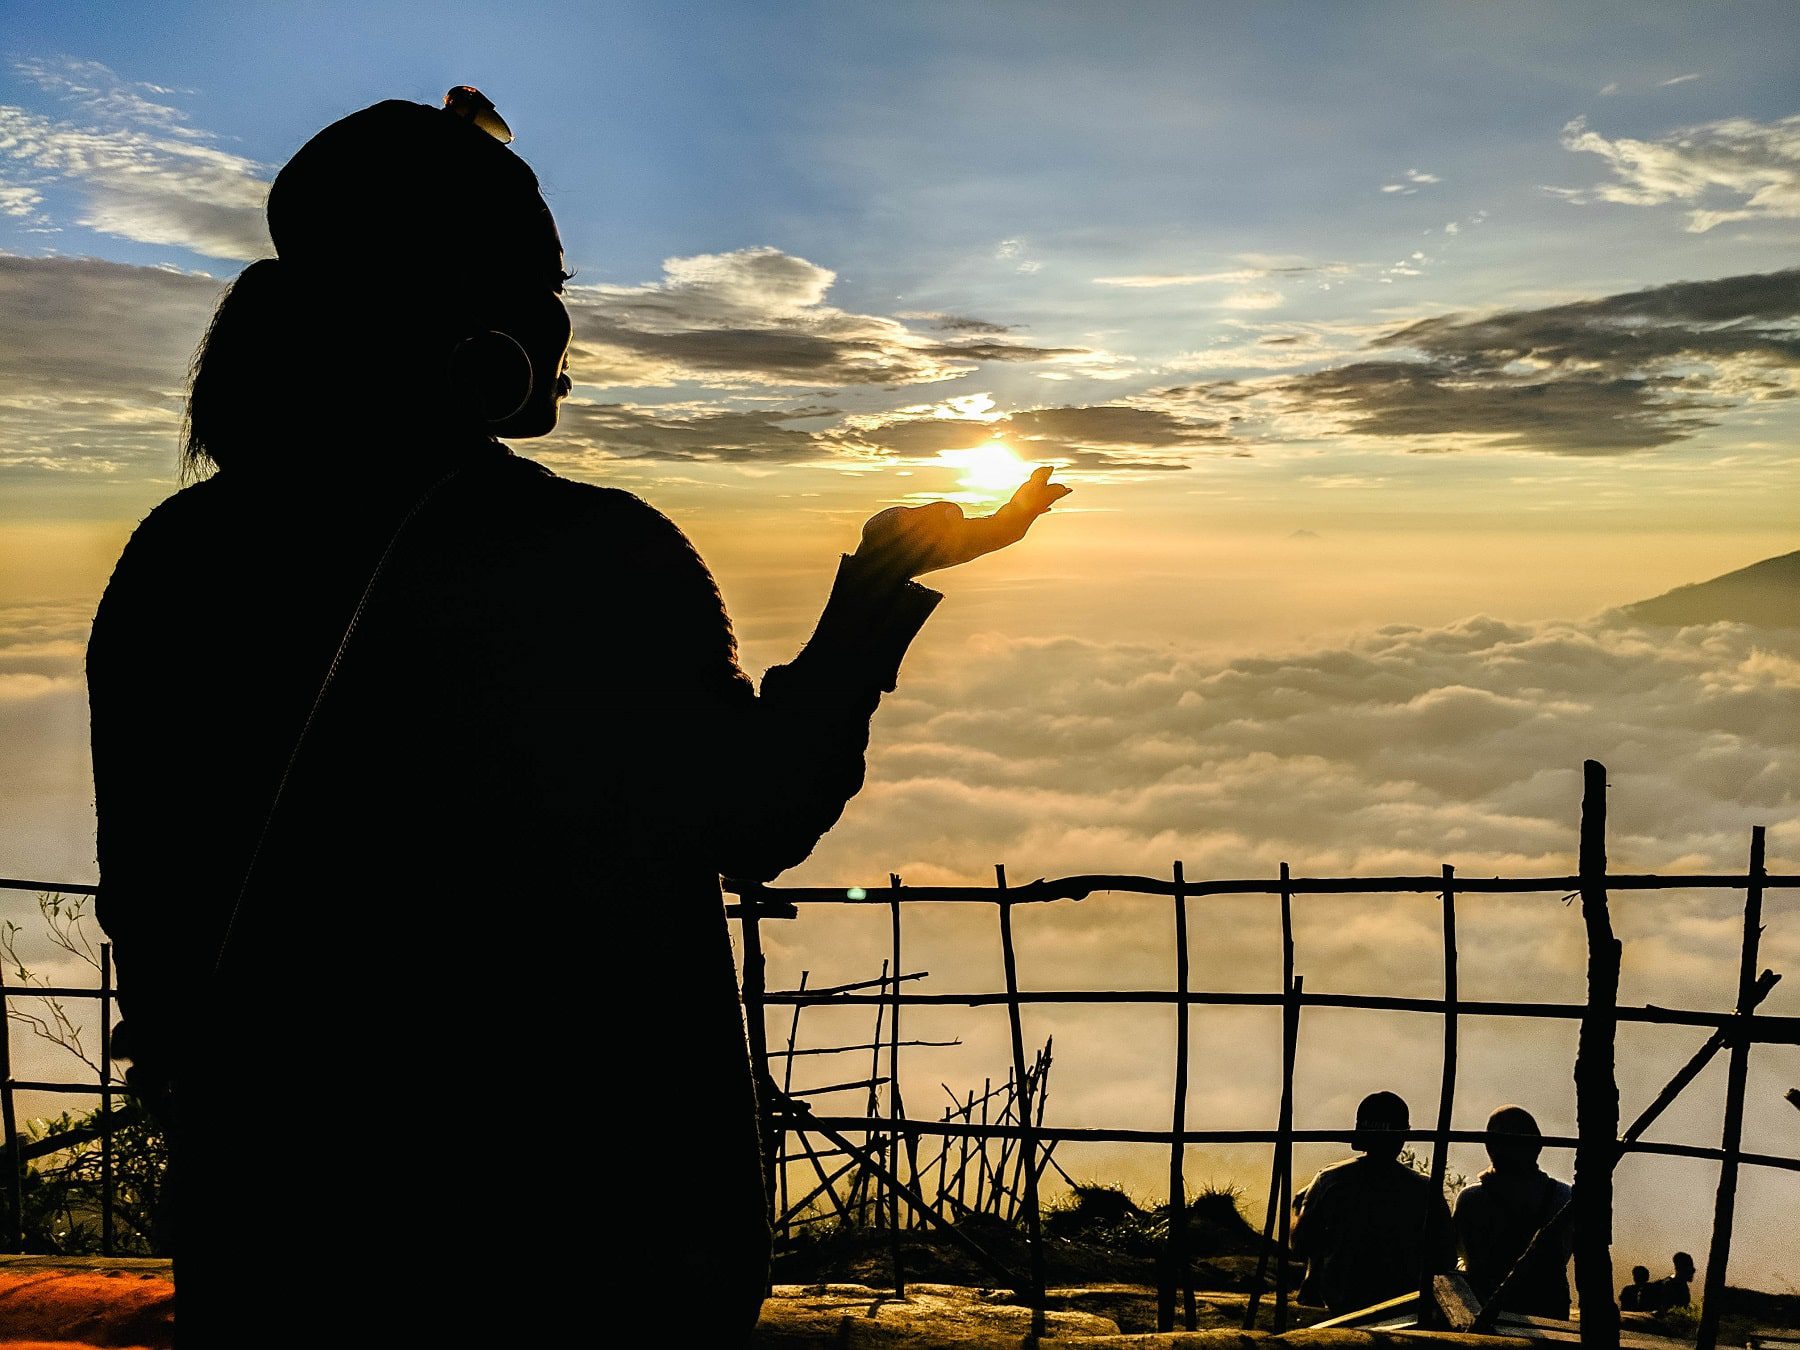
318	702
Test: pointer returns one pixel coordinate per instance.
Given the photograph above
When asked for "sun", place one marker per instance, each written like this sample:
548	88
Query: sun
991	467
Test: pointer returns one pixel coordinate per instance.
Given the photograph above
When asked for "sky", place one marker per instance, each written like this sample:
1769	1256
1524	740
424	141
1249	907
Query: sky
1388	349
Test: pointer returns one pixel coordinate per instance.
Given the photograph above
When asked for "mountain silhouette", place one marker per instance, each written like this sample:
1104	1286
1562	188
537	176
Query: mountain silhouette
1764	595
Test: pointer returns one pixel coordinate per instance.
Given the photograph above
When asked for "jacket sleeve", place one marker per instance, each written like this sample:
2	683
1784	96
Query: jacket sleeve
751	779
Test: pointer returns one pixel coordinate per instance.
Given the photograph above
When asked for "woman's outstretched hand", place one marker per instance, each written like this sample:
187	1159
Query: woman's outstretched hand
911	540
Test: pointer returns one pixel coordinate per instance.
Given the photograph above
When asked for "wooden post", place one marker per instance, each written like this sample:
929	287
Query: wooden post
787	1086
962	1164
981	1167
1440	1144
1175	1252
1718	1256
1276	1215
106	1096
943	1167
894	1094
1027	1131
755	986
871	1138
1596	1086
15	1156
1284	1145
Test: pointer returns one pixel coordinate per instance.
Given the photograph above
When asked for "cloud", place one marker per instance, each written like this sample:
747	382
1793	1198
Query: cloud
1679	79
93	363
1094	437
1392	752
1261	267
1752	169
1620	373
1145	281
956	323
142	171
1118	437
590	432
758	316
1411	182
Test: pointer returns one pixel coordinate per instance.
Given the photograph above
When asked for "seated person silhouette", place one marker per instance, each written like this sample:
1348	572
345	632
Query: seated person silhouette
1499	1213
1671	1291
416	767
1631	1297
1371	1228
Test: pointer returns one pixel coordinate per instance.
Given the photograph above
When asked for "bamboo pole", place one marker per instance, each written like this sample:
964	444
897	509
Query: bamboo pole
1284	1145
777	899
1596	1087
950	1230
756	1026
1082	886
871	1137
825	1182
15	1159
1275	1216
859	1047
1763	1031
106	1100
1552	1230
1175	1262
894	1112
1440	1144
787	1087
1106	1134
1718	1256
962	1162
943	1165
1027	1127
981	1166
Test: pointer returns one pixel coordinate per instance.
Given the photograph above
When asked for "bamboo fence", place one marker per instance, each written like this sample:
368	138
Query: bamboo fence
937	1194
993	1148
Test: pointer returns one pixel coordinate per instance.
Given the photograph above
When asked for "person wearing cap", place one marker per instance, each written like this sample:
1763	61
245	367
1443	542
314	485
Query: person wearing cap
1499	1213
416	766
1370	1228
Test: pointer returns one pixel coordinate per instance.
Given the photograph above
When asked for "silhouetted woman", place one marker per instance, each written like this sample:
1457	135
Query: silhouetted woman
416	766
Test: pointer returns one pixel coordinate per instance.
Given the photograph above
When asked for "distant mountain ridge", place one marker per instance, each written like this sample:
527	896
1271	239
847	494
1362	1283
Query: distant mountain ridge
1764	595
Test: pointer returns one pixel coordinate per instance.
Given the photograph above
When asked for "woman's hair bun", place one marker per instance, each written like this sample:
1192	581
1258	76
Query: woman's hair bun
401	190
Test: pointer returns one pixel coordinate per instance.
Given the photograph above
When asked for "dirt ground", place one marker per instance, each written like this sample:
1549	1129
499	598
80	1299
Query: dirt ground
94	1303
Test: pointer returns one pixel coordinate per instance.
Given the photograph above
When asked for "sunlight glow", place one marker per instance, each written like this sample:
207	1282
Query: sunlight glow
987	468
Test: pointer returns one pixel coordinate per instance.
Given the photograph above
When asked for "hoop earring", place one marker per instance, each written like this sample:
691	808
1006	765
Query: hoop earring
491	374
